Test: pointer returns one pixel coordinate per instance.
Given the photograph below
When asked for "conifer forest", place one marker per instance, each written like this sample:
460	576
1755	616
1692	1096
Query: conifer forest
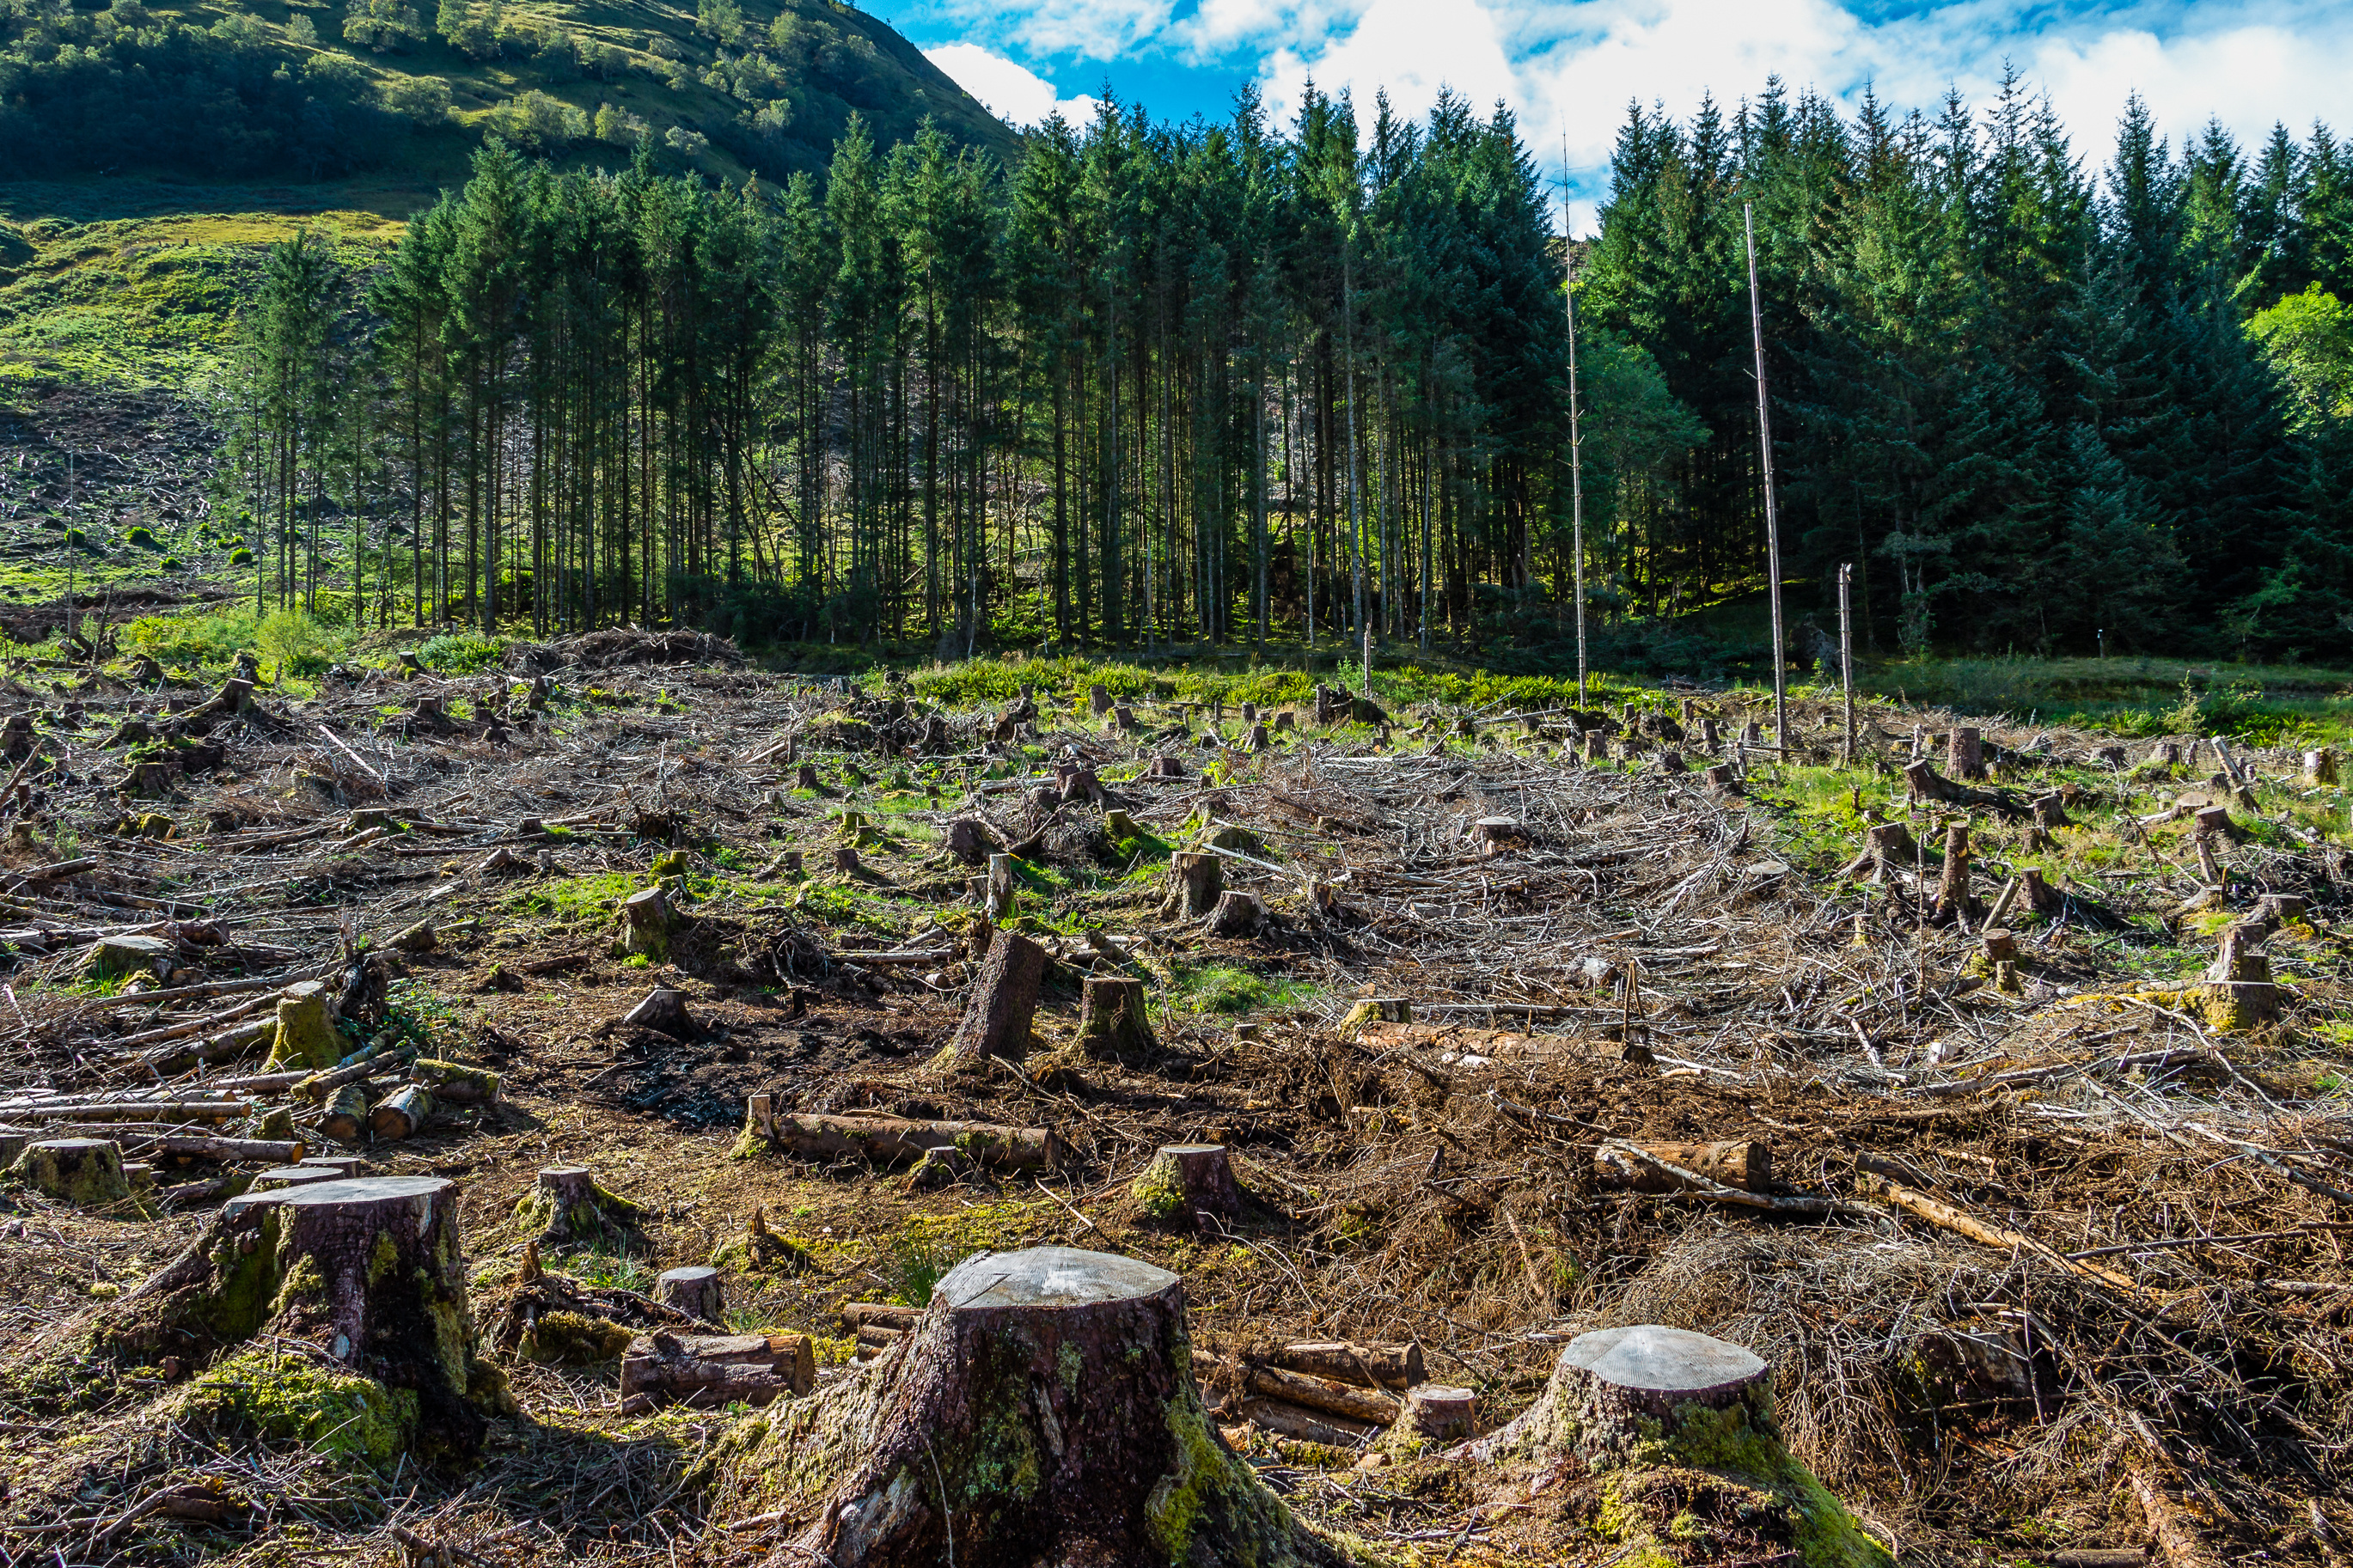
1157	385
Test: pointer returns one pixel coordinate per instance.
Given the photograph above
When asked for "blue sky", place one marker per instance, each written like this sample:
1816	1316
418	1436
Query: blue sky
1569	67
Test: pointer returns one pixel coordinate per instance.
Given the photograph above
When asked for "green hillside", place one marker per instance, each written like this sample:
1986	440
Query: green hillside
310	89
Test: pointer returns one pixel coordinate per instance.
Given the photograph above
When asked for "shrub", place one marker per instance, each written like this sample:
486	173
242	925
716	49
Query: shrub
299	643
461	653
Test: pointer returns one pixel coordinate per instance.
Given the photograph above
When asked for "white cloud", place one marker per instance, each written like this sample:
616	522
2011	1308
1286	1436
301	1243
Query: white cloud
1005	88
1410	49
1092	29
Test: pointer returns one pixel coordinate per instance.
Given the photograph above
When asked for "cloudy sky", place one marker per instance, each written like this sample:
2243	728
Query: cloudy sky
1570	65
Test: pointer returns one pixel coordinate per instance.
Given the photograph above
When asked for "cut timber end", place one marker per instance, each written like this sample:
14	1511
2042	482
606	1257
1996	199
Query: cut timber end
401	1113
694	1290
1049	1395
1190	1185
1440	1414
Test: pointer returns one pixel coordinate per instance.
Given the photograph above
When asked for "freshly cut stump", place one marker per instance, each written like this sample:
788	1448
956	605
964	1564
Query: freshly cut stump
1677	1426
694	1290
84	1172
1042	1410
1114	1018
1190	1185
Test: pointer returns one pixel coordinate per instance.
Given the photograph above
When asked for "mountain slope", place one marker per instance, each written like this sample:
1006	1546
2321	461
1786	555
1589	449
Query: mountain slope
309	90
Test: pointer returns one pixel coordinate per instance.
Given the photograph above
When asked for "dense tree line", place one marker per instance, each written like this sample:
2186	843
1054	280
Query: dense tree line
1176	383
2031	405
1156	384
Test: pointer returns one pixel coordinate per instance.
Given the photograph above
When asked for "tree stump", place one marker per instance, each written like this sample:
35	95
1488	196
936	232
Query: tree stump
1043	1410
664	1011
84	1172
804	777
571	1210
1167	767
1099	701
1190	1185
1081	783
401	1113
972	841
1439	1413
1195	883
1115	1019
1004	1000
1953	900
307	1037
2239	993
1964	754
1250	713
1999	946
2050	811
1238	914
2213	821
2320	766
2037	894
694	1290
996	899
647	922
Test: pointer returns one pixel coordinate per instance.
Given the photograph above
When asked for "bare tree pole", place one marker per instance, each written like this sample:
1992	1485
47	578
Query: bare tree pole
1772	514
1575	433
1846	655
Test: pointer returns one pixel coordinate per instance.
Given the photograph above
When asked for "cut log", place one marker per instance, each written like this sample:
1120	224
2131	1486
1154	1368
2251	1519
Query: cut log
646	923
1326	1396
707	1371
1395	1367
890	1315
418	938
346	1117
229	1151
455	1084
307	1035
1287	1420
1115	1019
84	1172
568	1208
402	1113
1192	1185
1048	1394
1745	1163
1239	914
1195	883
890	1140
694	1290
1004	1000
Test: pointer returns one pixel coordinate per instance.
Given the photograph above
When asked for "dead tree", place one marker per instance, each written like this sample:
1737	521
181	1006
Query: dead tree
1004	1000
1042	1409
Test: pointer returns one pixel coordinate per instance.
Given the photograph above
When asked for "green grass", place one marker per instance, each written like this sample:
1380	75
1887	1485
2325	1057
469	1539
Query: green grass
1220	988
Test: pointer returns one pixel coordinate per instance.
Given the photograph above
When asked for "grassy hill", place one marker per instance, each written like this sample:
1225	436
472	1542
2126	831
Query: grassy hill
309	90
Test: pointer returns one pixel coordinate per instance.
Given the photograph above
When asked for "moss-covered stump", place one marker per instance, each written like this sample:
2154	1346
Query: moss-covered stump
1192	1185
566	1208
368	1272
84	1172
307	1035
647	923
1679	1431
760	1250
1042	1410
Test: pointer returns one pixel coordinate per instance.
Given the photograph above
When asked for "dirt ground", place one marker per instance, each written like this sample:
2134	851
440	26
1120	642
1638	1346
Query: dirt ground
2142	1339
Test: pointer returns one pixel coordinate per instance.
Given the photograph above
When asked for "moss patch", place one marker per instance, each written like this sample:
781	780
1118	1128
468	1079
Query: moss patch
348	1419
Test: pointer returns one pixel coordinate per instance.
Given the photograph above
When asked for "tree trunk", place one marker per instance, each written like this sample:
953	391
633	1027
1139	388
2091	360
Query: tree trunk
1043	1410
707	1371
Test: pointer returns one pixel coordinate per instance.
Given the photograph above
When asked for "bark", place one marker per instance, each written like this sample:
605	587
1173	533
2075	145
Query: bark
890	1140
1374	1366
1953	900
1115	1019
695	1290
1964	754
1196	882
1190	1185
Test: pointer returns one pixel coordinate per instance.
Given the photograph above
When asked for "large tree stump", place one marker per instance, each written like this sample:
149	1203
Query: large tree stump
1886	847
1964	754
1042	1410
1115	1019
1195	883
1190	1185
1004	1000
694	1290
307	1037
568	1208
84	1172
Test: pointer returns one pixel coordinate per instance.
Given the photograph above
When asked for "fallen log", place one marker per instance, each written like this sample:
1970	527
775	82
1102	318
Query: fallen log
1746	1164
705	1371
227	1150
1328	1396
1305	1425
890	1140
1373	1366
128	1110
1946	1217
